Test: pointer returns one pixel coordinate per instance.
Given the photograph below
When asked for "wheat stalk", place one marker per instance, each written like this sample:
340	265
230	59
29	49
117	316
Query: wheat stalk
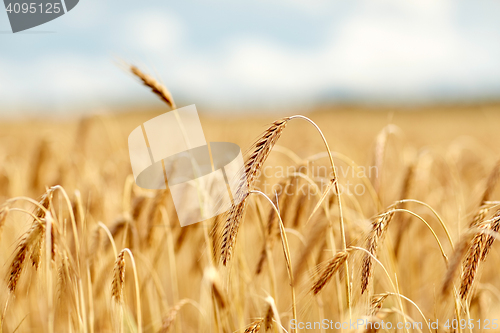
271	223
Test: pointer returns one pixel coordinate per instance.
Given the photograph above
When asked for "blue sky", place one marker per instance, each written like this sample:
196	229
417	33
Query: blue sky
258	52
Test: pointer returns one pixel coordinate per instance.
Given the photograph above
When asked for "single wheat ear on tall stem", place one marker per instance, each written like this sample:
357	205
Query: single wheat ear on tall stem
170	317
262	149
31	243
118	282
159	89
379	229
326	274
478	248
118	277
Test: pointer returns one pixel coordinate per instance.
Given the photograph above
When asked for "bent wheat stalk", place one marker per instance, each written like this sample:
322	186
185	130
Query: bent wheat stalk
341	216
118	282
286	252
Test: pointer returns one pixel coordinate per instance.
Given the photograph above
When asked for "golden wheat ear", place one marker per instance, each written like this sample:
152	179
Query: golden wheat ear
260	152
169	319
30	245
254	327
380	225
454	264
156	87
332	267
118	277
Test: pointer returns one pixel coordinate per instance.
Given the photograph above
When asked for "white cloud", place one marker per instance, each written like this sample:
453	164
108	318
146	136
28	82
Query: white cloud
153	30
392	50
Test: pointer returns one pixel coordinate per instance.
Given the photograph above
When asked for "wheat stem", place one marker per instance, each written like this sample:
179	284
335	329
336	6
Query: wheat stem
286	251
341	216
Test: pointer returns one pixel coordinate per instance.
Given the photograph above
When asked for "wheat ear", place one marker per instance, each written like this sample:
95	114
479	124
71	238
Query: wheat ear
30	245
332	266
253	164
478	249
170	317
159	89
118	282
376	235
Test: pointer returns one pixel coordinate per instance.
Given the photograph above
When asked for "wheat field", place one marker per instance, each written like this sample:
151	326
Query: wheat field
402	232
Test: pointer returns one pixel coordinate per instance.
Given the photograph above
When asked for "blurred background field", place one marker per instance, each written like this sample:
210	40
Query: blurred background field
454	148
350	130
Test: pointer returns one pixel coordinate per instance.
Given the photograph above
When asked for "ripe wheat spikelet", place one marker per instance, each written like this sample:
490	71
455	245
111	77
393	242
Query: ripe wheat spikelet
268	319
254	327
494	226
253	164
454	264
377	302
64	277
481	242
376	235
31	243
329	270
477	251
159	89
171	315
23	249
470	264
118	277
